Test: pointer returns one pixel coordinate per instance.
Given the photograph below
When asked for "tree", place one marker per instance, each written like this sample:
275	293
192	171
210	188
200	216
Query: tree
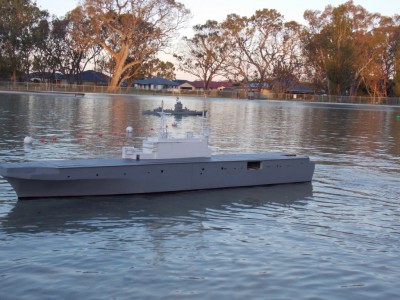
263	48
339	63
396	51
387	62
59	52
204	55
152	67
341	47
130	31
158	68
396	87
328	46
287	67
71	55
20	23
396	75
250	40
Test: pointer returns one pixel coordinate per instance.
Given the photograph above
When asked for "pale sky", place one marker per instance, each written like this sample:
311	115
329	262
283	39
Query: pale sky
203	10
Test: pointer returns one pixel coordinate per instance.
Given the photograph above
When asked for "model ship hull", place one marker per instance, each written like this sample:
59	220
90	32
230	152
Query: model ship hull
178	110
125	176
175	112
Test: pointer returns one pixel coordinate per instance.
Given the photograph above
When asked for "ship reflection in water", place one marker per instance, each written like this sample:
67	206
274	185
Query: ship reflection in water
97	213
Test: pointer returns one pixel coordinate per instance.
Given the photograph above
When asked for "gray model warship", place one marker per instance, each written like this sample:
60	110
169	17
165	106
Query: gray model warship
164	164
178	110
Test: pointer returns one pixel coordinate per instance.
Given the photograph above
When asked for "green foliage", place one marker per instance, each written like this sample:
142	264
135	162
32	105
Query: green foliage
396	79
21	30
350	50
158	68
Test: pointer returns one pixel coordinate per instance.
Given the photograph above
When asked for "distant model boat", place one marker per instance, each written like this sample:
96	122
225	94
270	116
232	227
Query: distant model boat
164	164
178	110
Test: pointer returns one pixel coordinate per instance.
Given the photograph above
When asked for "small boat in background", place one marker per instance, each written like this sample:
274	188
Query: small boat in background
178	110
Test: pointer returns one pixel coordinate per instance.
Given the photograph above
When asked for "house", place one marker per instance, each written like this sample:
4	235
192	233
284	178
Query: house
255	86
186	86
50	77
180	81
92	77
156	83
301	89
199	85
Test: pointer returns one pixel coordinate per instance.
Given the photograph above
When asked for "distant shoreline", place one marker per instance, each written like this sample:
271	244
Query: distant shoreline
296	98
43	93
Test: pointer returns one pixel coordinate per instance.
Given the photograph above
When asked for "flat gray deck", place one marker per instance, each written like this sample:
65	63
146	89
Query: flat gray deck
111	162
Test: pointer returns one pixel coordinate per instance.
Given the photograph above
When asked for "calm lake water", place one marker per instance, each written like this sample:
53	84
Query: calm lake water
335	238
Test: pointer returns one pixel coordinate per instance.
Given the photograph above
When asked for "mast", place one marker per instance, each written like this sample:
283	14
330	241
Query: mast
162	130
205	131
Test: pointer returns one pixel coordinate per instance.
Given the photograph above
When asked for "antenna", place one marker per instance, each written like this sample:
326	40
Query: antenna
162	130
205	131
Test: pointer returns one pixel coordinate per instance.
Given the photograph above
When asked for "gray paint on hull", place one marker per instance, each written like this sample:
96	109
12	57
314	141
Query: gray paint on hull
118	176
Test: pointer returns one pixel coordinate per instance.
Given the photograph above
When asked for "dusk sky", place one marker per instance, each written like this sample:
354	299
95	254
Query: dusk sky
204	10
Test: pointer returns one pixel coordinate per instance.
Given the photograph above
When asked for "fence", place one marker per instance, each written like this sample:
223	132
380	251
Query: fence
236	94
311	98
54	87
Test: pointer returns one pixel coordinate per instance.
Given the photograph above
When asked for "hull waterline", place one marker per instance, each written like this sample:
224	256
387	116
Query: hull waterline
95	177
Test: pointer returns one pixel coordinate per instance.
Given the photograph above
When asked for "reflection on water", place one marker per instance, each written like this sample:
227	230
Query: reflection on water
97	213
336	238
96	125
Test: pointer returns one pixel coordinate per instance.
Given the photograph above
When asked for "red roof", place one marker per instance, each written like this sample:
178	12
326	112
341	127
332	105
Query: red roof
213	85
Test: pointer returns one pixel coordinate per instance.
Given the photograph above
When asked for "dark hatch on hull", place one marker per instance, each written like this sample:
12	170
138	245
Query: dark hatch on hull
253	165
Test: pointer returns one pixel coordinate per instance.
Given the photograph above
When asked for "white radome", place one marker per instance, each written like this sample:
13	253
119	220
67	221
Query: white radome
28	140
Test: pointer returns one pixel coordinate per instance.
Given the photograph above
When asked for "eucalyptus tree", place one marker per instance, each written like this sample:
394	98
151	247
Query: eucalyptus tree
314	48
205	54
396	50
387	64
158	68
328	46
60	52
41	37
396	60
263	48
373	48
150	67
251	44
21	22
130	31
342	47
368	42
396	77
288	63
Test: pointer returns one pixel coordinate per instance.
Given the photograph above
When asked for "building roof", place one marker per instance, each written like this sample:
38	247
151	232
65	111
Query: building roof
255	85
92	75
156	81
180	81
45	75
301	89
212	85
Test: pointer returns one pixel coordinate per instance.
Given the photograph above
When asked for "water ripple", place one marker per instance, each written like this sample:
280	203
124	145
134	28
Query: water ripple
336	238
